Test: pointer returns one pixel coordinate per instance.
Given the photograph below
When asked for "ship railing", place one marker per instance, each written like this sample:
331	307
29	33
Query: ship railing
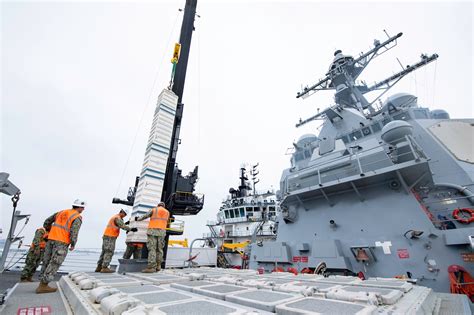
353	164
442	211
249	219
81	259
242	203
175	225
249	233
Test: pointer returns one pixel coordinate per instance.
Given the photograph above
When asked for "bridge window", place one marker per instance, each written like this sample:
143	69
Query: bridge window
242	212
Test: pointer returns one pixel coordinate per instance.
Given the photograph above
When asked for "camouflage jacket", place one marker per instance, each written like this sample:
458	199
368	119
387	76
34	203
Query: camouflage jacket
38	238
119	222
75	226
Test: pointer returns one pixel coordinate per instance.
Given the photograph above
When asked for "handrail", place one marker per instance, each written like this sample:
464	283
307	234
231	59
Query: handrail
175	225
389	156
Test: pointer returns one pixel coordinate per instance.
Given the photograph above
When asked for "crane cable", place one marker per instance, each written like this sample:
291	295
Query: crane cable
198	100
146	105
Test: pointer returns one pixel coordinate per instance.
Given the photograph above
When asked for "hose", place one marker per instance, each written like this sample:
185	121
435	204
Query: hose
463	190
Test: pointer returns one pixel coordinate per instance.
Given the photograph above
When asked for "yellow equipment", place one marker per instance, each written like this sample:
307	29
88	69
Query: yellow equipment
235	247
178	242
176	226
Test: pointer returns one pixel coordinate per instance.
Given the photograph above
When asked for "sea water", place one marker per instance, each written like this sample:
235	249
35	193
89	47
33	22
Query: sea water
84	259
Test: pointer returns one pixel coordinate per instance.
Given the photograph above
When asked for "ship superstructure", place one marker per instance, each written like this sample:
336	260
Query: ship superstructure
384	190
245	216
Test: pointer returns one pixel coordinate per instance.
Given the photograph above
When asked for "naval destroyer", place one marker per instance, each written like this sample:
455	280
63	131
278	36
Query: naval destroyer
229	291
384	189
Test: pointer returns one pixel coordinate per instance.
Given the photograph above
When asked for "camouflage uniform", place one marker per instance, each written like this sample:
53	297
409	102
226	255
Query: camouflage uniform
108	245
34	256
155	243
56	251
134	250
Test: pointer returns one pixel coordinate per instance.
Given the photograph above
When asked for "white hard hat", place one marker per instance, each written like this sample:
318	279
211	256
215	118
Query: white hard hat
79	203
124	210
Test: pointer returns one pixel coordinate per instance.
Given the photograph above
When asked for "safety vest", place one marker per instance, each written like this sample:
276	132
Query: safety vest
43	240
61	228
112	229
159	218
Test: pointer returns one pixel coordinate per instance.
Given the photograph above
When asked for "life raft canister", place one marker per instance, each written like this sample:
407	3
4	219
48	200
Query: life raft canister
457	215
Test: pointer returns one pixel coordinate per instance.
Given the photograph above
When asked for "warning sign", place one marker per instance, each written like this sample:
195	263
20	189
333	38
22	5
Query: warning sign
300	259
403	253
467	257
34	310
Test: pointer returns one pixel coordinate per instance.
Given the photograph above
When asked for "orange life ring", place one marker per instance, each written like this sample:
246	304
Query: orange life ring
457	212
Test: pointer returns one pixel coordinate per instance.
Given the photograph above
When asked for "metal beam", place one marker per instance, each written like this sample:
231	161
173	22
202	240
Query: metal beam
417	181
402	181
301	202
357	192
327	198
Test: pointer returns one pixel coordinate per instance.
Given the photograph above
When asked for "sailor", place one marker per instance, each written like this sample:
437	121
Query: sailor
155	236
112	231
35	255
134	249
64	228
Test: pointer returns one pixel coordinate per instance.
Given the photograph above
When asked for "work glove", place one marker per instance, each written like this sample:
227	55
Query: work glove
133	229
127	223
136	218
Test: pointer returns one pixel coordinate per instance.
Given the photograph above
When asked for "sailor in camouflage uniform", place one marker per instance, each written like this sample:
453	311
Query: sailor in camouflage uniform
112	231
156	234
64	229
35	255
134	249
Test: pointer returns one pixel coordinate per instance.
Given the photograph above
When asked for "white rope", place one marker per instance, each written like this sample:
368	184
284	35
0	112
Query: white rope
146	106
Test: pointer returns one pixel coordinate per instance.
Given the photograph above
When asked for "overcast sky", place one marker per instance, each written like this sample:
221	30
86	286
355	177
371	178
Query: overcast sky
80	79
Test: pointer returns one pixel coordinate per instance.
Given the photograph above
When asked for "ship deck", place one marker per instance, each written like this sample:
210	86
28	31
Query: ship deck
228	291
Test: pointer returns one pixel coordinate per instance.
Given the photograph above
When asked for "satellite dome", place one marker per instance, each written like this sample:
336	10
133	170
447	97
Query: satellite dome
400	100
439	114
306	139
395	131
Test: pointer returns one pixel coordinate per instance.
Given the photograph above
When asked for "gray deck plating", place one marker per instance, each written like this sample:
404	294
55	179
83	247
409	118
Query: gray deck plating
320	306
261	299
24	296
161	297
139	294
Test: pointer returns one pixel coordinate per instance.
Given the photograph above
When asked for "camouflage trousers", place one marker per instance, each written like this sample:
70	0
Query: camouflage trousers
33	259
132	250
108	248
155	244
54	255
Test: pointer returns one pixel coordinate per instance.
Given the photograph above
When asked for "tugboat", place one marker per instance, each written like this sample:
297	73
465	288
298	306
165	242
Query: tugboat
246	216
384	189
